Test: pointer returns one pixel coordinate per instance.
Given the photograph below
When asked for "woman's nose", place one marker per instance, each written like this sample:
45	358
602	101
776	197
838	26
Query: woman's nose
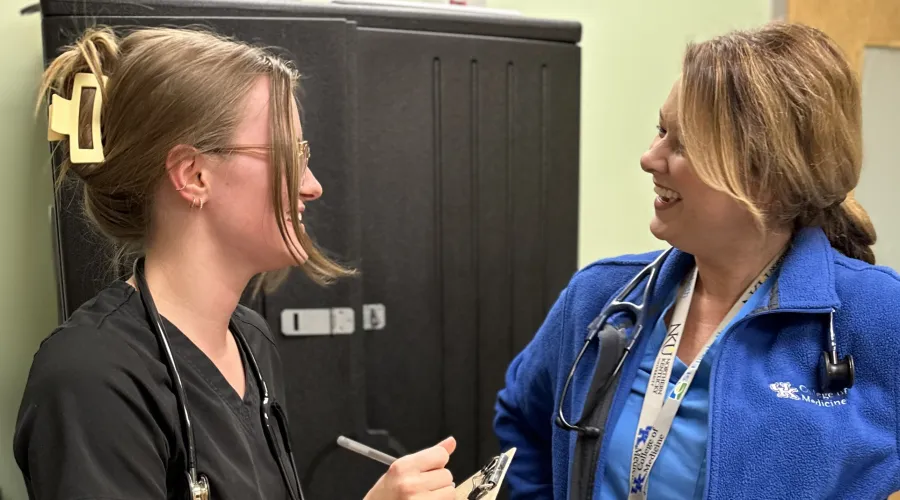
310	189
652	161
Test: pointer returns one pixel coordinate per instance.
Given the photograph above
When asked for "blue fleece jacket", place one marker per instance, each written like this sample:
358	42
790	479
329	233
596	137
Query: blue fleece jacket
771	433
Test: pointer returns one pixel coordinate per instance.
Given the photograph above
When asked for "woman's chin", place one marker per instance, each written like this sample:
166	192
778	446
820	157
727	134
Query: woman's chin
659	229
664	232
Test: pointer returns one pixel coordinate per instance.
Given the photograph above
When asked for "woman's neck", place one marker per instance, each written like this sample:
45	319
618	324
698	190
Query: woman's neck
195	287
724	274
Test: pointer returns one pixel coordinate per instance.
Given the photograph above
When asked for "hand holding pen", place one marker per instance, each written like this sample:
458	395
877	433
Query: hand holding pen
419	476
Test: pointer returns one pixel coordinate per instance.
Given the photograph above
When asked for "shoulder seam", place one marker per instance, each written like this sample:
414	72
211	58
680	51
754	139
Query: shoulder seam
565	321
132	291
118	307
867	268
271	341
616	263
143	367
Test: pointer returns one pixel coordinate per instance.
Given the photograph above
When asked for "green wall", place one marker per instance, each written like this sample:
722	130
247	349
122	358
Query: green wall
631	55
27	280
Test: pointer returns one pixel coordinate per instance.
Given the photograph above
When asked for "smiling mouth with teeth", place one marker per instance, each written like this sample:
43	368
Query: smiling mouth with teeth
665	197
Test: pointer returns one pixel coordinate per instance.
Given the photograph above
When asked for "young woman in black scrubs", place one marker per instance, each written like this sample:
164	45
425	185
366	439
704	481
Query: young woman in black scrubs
202	172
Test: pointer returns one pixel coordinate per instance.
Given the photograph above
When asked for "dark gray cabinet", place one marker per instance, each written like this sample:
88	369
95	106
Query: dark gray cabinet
448	146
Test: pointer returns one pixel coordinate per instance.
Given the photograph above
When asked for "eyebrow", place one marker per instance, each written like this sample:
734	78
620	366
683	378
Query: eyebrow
663	119
671	127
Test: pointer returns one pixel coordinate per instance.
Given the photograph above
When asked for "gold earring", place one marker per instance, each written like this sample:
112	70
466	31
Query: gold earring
201	203
193	203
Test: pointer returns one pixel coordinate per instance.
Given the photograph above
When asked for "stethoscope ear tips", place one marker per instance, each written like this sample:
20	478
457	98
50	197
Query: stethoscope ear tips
835	375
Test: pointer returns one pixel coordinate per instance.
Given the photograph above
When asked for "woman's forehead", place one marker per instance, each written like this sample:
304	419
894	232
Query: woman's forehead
668	112
255	120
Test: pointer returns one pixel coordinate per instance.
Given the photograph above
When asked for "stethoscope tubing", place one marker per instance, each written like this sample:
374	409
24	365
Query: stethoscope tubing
194	479
163	339
836	373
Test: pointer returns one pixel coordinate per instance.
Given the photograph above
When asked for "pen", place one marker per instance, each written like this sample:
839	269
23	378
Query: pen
365	451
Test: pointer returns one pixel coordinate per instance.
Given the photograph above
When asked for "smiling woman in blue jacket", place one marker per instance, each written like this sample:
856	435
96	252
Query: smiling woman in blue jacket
767	363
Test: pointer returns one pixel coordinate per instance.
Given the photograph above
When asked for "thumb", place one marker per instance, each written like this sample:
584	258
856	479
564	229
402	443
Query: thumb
449	444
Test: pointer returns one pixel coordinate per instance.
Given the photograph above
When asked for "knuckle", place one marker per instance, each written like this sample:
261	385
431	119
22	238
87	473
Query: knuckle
398	468
406	486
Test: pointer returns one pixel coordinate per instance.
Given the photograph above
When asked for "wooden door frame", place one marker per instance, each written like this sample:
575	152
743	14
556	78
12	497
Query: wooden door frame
854	24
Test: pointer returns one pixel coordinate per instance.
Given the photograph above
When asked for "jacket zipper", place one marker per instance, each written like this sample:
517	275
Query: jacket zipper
712	379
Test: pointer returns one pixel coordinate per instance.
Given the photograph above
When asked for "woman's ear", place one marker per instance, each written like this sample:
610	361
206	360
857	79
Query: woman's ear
184	168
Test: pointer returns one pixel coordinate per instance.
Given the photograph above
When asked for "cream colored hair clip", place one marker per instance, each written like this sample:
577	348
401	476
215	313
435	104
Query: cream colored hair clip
63	120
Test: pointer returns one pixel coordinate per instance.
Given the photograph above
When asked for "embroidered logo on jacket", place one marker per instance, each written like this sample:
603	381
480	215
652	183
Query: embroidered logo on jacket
786	390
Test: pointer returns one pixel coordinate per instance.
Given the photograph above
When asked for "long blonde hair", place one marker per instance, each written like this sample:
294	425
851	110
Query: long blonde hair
166	87
772	116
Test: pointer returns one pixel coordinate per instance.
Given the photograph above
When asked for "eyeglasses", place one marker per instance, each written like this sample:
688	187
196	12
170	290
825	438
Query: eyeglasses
303	146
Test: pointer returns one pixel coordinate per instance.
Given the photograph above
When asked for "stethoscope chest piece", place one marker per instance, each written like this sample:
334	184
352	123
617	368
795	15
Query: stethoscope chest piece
199	487
835	374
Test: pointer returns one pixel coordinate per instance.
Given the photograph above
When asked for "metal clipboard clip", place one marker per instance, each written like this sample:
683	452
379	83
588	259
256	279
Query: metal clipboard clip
485	484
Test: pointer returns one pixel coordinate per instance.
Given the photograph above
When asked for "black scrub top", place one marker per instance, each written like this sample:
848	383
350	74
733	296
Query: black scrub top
99	421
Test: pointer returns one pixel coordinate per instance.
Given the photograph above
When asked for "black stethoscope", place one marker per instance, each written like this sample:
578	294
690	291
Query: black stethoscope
198	482
835	373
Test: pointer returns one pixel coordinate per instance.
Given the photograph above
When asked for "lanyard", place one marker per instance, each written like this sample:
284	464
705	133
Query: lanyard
658	411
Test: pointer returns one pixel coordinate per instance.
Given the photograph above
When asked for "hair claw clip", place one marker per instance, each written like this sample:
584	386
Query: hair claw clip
63	120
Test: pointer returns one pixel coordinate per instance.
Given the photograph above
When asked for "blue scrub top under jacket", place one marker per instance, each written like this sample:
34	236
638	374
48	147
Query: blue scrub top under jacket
680	469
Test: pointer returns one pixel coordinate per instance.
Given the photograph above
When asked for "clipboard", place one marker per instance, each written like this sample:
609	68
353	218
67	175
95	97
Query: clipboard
485	484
